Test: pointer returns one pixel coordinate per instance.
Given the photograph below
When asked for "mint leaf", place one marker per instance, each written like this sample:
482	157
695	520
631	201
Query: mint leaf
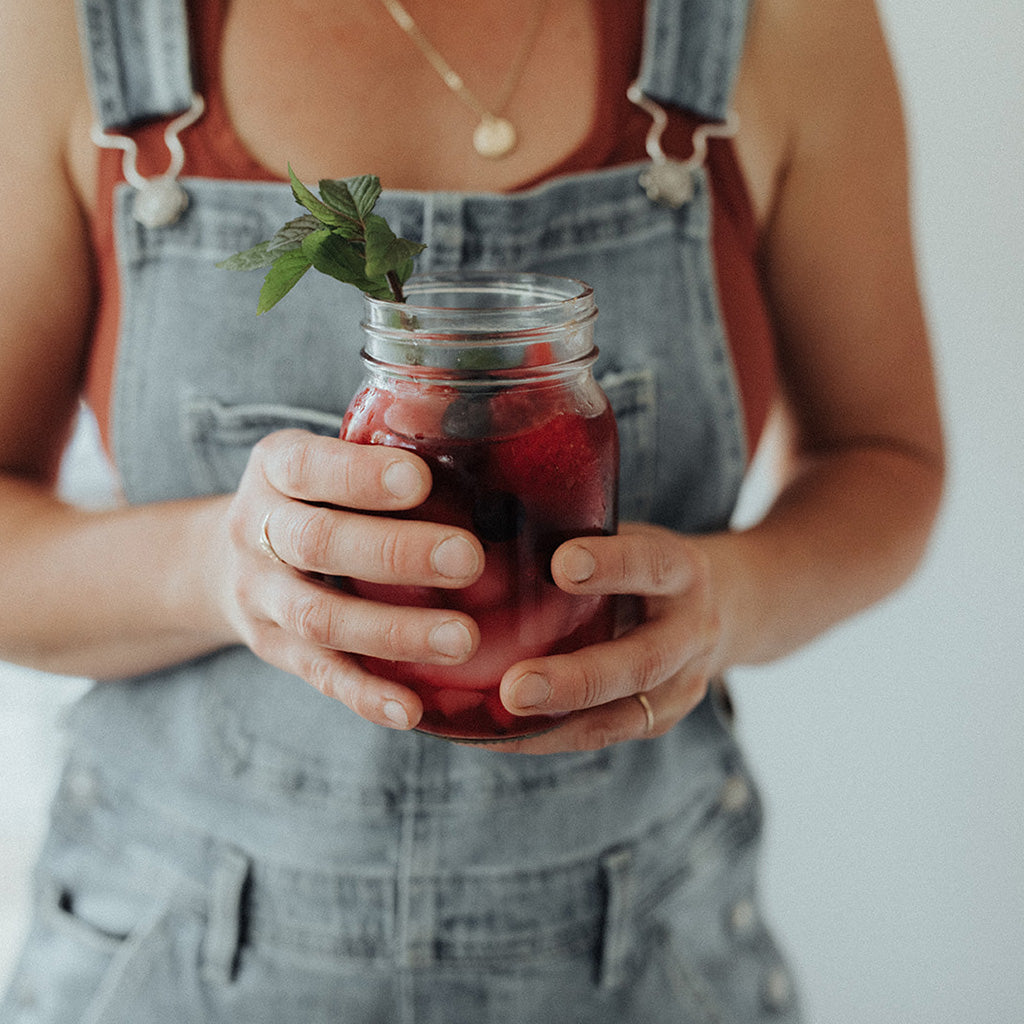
256	258
385	252
341	259
365	191
354	197
319	209
282	277
338	235
290	236
335	256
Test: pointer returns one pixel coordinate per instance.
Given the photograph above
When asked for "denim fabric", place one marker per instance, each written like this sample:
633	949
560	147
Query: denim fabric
230	846
691	49
489	909
125	87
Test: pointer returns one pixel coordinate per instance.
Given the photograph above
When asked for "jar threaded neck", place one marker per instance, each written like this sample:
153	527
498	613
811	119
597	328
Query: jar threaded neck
483	322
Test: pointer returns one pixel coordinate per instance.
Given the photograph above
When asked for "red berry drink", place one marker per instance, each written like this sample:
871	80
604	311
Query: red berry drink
488	380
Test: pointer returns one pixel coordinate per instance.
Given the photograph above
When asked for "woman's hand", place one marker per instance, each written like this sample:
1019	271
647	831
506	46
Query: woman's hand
300	514
643	682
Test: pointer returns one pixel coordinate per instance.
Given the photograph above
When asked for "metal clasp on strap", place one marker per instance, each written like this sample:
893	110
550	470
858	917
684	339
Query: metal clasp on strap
669	181
161	200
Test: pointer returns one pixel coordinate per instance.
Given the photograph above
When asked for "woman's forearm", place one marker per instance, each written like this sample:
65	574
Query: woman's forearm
105	594
848	529
130	590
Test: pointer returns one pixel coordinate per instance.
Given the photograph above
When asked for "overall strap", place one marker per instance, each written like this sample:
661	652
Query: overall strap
691	53
137	59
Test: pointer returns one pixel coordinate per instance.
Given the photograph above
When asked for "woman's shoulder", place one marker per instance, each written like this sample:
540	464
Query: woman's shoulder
815	53
44	108
815	74
41	41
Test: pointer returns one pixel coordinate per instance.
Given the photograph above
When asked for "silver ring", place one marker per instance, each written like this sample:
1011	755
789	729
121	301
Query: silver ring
265	546
648	710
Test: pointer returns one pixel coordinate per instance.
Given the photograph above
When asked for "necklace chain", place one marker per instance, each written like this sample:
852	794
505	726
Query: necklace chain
495	136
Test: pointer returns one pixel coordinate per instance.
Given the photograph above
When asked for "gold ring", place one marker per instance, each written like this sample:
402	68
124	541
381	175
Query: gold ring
265	546
648	710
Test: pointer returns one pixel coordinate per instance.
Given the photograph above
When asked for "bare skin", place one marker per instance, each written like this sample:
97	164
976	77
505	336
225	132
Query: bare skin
129	590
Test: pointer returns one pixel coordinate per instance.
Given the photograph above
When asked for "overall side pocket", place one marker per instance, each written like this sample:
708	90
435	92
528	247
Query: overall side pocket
633	397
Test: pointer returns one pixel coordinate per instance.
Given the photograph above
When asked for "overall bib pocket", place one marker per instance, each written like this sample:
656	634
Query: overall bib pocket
221	436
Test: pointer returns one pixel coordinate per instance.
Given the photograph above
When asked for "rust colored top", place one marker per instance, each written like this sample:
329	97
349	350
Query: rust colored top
617	137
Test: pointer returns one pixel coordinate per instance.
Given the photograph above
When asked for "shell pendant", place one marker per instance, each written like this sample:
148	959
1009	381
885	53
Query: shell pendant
494	137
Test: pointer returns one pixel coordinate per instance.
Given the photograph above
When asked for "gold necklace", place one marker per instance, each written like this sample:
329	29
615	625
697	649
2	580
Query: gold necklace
494	136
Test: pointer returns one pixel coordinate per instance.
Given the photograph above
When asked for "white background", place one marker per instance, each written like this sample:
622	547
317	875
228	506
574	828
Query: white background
891	752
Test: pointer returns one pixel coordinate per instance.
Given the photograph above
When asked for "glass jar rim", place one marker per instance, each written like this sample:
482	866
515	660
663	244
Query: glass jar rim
476	305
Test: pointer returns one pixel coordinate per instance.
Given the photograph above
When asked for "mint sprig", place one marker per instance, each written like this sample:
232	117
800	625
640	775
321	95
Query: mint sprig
339	235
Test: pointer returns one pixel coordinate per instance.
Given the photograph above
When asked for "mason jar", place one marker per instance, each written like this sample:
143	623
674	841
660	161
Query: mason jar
488	378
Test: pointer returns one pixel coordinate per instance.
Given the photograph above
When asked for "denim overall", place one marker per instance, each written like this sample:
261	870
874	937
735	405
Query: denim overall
227	844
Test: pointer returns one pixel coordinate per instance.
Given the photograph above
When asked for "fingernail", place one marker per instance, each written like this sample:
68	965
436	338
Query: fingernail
530	691
394	712
578	564
455	558
401	479
452	639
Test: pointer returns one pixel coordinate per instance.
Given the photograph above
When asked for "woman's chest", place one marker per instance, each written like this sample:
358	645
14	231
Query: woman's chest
340	89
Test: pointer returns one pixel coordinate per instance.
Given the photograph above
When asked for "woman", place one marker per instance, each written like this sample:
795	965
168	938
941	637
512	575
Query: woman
229	844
